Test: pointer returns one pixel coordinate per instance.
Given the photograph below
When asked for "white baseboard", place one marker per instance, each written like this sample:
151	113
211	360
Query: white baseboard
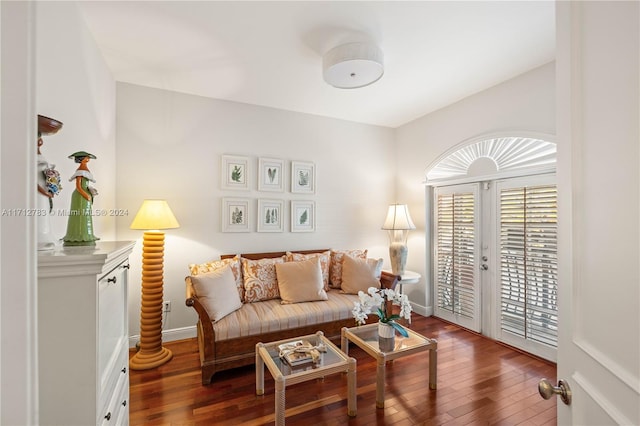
425	311
169	335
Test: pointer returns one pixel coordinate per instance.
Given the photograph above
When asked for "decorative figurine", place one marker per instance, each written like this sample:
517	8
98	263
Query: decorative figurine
80	223
48	185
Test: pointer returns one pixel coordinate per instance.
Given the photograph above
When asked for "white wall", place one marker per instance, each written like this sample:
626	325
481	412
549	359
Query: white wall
18	351
169	145
73	85
525	104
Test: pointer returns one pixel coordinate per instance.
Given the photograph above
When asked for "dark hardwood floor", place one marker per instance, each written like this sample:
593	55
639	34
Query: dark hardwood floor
480	382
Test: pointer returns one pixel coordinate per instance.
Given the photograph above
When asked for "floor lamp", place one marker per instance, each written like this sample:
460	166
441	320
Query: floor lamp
153	217
398	223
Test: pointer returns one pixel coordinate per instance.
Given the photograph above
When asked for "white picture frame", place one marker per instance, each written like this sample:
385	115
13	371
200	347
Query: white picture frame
303	177
235	172
270	174
303	216
236	214
270	215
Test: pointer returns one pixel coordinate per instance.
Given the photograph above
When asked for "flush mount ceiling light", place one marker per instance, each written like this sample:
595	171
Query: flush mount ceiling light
353	65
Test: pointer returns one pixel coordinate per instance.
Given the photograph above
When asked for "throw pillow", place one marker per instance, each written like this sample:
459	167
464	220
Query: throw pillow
214	265
324	257
376	264
300	281
360	274
260	280
217	292
335	269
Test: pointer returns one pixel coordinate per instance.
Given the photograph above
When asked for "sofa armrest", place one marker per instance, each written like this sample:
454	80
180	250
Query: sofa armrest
388	280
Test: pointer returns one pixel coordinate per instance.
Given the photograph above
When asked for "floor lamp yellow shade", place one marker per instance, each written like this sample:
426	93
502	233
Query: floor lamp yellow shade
153	217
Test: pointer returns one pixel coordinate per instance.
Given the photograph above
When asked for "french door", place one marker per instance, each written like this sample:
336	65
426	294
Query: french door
527	264
495	260
457	248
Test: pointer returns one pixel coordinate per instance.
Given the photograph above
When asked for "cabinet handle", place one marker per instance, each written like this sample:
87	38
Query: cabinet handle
125	266
124	369
112	280
124	403
108	416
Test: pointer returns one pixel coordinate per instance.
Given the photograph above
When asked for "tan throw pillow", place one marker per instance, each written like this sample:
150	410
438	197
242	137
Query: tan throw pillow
360	274
217	292
214	265
260	281
325	258
300	281
335	268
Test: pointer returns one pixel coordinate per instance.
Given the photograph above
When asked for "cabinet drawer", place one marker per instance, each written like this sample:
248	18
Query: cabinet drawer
112	321
117	412
113	378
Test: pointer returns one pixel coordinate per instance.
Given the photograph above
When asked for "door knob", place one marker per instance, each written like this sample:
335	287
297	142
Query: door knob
547	390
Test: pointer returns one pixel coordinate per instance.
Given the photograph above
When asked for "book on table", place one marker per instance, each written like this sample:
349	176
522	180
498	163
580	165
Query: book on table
297	352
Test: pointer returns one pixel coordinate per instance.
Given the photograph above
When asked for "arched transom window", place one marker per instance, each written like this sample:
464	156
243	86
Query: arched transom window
495	157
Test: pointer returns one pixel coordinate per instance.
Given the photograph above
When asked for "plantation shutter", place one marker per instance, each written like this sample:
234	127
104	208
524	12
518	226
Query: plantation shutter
528	263
456	235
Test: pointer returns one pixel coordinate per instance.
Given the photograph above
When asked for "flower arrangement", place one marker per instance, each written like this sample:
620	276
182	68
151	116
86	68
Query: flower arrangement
377	298
52	180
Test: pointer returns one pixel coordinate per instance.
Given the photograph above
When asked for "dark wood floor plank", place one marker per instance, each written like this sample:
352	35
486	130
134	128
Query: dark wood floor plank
479	382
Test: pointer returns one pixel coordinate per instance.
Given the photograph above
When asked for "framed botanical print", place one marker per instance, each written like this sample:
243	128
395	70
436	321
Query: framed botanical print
235	172
235	214
303	216
270	174
303	177
270	215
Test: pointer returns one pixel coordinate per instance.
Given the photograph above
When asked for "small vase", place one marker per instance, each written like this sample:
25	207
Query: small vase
386	337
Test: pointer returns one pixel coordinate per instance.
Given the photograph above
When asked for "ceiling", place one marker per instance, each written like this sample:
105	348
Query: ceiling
270	53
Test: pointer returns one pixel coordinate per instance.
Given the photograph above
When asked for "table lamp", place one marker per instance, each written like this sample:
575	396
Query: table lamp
398	223
153	217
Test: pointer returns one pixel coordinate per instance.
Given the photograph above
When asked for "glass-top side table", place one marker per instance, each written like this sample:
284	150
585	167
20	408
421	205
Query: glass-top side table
332	361
366	338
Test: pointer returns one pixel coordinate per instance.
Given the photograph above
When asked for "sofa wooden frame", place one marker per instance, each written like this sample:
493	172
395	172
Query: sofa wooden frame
237	352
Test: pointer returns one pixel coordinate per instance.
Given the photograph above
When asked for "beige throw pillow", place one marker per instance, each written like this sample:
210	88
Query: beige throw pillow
301	281
325	258
217	292
335	268
360	274
214	265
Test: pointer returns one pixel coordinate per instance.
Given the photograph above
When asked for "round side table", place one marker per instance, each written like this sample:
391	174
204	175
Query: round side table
409	277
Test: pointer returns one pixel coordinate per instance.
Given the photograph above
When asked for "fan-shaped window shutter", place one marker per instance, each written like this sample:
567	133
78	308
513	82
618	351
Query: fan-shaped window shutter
457	285
528	262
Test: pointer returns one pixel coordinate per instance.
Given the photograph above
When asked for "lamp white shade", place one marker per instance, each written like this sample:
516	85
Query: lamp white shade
353	65
398	218
154	214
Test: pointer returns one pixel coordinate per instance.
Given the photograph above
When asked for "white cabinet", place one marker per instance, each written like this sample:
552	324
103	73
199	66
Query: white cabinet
83	335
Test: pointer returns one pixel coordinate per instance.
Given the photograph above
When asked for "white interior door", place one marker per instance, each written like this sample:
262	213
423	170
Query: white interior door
598	73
